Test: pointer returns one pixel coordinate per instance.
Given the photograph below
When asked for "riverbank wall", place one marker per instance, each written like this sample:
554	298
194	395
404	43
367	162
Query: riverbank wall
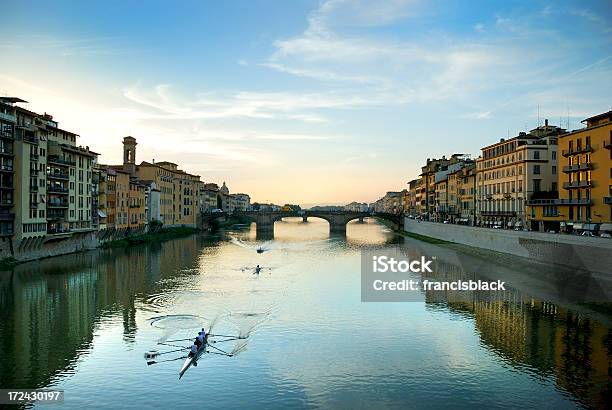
61	244
580	252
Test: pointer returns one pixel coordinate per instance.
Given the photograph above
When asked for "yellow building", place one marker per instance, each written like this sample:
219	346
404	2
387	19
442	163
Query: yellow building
466	194
136	202
122	202
108	201
585	195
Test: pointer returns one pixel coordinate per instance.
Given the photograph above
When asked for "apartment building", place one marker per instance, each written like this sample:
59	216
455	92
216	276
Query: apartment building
441	198
50	175
584	202
466	194
445	187
210	197
420	198
8	121
428	185
513	171
411	197
242	202
99	197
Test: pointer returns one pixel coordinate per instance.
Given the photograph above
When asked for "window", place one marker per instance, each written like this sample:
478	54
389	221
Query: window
536	185
554	169
554	155
536	154
536	169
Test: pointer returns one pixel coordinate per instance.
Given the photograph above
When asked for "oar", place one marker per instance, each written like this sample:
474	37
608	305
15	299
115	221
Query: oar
177	340
171	345
152	355
238	337
222	354
216	348
167	360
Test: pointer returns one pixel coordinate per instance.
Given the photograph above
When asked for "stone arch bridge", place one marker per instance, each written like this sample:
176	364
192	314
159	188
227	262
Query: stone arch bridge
264	220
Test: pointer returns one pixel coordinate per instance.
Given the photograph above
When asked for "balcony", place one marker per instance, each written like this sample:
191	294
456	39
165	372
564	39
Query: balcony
33	157
574	201
6	168
33	188
58	231
32	139
57	189
607	200
54	159
577	150
498	213
8	117
57	204
7	231
33	205
54	215
577	184
6	151
6	202
6	216
578	167
58	175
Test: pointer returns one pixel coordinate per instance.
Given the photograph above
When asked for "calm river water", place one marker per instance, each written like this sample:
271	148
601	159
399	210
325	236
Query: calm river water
82	323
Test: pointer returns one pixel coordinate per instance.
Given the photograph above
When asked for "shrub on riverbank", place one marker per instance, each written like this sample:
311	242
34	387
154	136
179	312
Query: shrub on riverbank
159	236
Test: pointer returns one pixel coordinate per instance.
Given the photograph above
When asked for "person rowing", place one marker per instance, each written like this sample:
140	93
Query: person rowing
257	269
199	341
194	350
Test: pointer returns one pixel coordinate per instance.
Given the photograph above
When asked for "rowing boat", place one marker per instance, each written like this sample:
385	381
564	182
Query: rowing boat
193	360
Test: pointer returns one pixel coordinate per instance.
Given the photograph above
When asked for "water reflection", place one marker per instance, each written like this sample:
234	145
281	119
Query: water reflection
54	313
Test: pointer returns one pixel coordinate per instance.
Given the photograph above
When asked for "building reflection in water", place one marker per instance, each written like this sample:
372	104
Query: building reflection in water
49	312
49	309
529	334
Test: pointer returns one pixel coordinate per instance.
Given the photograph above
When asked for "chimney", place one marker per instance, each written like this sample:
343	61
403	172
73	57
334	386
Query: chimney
546	122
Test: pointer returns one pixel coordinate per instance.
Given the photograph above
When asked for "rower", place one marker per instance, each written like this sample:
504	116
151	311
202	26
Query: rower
194	350
199	339
203	333
257	269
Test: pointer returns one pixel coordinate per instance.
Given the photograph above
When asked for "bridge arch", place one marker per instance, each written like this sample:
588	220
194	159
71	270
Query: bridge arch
337	220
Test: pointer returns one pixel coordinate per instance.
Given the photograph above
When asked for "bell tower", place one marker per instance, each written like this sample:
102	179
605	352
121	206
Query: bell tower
129	155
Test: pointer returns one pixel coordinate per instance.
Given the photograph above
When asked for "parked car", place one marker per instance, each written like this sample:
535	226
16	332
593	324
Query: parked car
217	210
605	235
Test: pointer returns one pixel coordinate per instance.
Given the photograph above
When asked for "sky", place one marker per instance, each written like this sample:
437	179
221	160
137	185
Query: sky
302	101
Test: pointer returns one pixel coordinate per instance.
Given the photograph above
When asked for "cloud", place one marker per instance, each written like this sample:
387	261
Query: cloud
482	115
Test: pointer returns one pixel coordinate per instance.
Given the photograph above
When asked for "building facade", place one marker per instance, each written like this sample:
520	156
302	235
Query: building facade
584	202
512	172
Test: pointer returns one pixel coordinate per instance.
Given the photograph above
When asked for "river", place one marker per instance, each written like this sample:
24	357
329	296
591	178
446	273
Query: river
82	323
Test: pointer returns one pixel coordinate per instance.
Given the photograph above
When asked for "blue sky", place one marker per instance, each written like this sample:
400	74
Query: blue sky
307	101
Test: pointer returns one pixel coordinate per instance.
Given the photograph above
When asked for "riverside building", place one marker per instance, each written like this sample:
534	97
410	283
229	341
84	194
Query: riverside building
584	202
45	178
513	171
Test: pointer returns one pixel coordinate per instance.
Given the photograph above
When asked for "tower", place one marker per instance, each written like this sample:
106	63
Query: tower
129	155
